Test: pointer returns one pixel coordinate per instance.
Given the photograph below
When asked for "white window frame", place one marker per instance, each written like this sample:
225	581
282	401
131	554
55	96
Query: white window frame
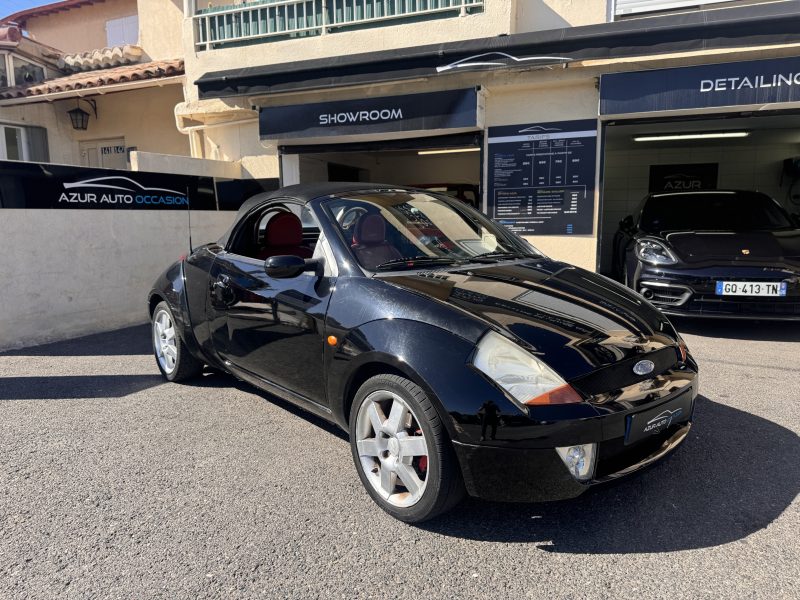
662	6
8	58
23	142
126	23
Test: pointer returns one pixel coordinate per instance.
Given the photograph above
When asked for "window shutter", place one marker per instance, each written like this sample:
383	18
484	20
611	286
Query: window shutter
37	144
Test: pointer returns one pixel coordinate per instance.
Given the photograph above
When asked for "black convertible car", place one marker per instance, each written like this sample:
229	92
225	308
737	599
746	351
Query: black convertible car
458	357
714	253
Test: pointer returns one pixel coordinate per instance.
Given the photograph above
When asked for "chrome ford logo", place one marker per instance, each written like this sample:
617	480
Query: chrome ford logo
644	367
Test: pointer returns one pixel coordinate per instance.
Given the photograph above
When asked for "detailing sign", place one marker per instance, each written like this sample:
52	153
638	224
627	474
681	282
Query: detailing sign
704	86
542	177
452	109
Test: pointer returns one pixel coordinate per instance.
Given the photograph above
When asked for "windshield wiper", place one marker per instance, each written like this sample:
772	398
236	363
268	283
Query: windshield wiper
412	260
499	255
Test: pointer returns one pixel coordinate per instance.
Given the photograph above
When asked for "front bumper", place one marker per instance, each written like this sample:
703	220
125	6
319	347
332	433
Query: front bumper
511	474
691	292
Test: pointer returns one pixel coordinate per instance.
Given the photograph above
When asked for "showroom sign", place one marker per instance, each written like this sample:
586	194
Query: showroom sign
705	86
451	109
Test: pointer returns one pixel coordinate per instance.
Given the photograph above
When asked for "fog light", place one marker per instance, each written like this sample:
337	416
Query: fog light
579	460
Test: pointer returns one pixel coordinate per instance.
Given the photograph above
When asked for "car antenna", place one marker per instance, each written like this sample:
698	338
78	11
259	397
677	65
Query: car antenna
189	217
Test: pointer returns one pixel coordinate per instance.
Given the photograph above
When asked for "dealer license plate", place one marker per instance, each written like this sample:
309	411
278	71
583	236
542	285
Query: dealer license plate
657	420
751	288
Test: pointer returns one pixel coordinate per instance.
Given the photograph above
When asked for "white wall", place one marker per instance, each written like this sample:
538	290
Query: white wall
76	272
741	166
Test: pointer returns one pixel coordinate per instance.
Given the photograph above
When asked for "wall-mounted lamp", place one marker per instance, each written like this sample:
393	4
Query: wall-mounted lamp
79	117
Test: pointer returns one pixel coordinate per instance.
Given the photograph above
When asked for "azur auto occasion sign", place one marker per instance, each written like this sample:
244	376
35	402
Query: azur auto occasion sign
38	185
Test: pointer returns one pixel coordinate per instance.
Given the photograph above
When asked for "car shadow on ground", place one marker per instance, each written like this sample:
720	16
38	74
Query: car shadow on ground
740	329
74	387
212	378
128	341
735	474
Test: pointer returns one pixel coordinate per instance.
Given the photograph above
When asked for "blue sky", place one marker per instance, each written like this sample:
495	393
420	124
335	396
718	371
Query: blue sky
8	7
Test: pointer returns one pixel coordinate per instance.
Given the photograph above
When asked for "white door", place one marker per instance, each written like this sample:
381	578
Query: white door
107	154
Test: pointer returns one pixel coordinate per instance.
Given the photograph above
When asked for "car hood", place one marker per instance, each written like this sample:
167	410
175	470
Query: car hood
738	246
575	320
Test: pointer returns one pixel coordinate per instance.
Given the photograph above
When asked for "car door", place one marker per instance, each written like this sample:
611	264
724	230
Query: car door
268	327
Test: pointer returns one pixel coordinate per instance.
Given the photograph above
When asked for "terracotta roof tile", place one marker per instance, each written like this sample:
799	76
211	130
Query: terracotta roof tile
103	58
98	78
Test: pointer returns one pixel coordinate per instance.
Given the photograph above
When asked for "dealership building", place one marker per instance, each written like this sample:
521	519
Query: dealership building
556	117
563	130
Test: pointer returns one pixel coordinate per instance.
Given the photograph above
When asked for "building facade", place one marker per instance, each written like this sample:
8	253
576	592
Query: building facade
120	61
544	107
345	89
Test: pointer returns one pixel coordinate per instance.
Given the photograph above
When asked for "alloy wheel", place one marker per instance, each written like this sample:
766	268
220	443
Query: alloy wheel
392	448
164	341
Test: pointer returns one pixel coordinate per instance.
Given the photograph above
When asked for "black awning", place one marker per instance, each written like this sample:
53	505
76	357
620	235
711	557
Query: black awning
760	24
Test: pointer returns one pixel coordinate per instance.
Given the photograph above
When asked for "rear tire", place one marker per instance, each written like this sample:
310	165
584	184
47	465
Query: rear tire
401	450
174	360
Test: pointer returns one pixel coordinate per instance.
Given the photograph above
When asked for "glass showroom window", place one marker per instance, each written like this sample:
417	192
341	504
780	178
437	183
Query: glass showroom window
26	72
13	143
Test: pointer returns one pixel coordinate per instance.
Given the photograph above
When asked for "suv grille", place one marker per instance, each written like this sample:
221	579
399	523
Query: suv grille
733	305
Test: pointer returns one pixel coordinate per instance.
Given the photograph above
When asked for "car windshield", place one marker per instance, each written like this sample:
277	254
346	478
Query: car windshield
394	230
712	211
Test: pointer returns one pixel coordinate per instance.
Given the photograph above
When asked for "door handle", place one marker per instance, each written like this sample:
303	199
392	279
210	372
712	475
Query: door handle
222	282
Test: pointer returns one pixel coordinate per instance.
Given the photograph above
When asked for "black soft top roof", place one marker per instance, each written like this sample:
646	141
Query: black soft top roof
306	192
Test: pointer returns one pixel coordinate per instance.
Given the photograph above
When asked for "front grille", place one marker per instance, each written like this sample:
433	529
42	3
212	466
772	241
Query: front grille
736	305
620	374
668	296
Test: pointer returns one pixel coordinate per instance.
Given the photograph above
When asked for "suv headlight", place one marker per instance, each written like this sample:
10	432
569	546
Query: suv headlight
654	252
526	378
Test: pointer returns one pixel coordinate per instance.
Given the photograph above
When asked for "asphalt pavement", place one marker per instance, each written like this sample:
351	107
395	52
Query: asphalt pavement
115	484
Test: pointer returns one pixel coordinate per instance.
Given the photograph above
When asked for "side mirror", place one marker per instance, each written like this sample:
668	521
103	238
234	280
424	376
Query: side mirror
286	266
796	219
626	224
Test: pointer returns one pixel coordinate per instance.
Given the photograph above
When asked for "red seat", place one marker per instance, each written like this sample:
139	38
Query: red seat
284	235
369	242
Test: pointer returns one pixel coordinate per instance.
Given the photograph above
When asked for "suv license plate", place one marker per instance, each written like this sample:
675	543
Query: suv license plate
751	288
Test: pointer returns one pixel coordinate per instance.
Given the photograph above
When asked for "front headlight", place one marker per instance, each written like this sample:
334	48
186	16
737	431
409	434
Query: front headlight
526	378
654	252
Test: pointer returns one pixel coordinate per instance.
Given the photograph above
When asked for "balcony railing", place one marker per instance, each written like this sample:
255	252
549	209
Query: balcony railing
266	20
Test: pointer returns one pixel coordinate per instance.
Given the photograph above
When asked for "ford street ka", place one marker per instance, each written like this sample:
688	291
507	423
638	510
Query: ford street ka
713	253
458	357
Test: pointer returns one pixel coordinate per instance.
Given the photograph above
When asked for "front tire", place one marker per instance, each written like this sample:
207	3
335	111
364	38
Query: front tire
174	360
401	450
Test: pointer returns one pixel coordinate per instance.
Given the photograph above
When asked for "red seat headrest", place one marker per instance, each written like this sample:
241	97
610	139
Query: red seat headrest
370	230
284	229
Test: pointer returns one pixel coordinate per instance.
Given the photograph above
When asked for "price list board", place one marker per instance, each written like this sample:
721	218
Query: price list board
542	177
